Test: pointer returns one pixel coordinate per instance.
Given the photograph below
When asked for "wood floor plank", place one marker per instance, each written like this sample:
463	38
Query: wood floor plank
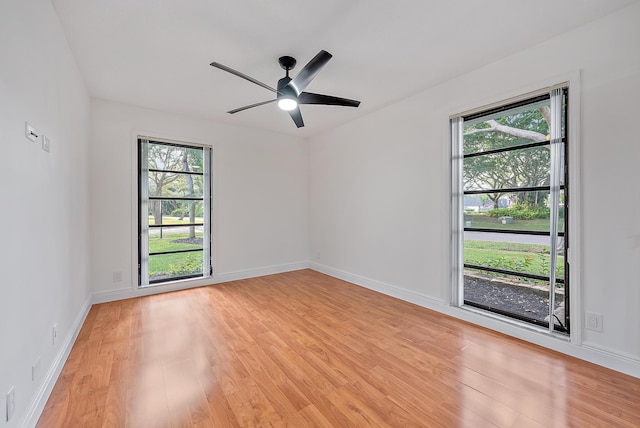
220	410
302	349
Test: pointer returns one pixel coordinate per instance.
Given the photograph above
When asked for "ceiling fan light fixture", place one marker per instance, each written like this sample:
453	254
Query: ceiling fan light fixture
287	104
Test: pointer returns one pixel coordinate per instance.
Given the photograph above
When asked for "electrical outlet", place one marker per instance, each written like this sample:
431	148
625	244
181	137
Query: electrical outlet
117	276
54	334
35	369
11	403
593	321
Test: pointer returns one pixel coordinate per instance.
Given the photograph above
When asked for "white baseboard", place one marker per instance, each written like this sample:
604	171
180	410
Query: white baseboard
253	273
128	293
609	358
381	287
604	353
46	386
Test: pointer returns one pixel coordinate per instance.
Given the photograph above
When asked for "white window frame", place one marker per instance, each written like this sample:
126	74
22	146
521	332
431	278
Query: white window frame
574	251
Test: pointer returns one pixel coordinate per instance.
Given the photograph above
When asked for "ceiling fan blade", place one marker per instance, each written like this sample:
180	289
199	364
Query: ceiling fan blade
311	98
250	106
309	71
242	75
297	117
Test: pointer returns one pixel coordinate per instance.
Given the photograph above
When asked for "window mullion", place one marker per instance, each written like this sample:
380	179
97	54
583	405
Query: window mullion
556	159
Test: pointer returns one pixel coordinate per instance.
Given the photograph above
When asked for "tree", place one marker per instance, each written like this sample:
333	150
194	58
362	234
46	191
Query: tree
164	159
519	168
189	185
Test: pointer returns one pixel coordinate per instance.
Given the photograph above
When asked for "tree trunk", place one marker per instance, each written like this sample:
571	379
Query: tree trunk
192	204
156	208
495	198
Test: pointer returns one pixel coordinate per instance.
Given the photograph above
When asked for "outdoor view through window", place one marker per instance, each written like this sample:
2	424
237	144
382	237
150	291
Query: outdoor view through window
174	205
514	202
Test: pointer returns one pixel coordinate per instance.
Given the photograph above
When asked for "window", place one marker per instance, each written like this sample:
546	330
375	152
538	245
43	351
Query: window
511	201
174	206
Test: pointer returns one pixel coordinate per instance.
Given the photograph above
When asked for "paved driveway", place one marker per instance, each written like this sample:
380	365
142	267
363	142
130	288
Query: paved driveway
507	237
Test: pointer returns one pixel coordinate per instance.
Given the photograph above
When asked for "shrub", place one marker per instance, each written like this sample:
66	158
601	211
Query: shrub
521	212
190	265
510	263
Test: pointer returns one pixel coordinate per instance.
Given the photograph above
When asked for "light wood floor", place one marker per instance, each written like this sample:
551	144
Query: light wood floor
304	349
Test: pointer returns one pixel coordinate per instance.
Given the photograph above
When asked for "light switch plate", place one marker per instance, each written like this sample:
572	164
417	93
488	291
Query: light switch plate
30	132
46	143
11	403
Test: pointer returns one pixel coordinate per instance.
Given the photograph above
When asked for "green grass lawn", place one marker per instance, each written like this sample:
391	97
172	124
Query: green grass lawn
178	264
175	264
166	243
528	258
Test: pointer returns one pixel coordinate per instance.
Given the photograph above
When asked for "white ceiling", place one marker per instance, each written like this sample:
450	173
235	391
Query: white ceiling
156	53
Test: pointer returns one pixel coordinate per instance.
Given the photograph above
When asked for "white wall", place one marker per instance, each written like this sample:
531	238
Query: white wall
260	194
44	208
379	187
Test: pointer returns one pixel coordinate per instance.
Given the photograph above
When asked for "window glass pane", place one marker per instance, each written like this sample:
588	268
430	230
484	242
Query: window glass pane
175	212
480	211
559	315
517	168
562	164
526	211
175	158
560	263
163	239
519	300
518	253
175	184
514	127
168	266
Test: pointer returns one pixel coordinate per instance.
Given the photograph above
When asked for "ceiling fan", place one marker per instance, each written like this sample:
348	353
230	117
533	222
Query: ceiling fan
290	93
